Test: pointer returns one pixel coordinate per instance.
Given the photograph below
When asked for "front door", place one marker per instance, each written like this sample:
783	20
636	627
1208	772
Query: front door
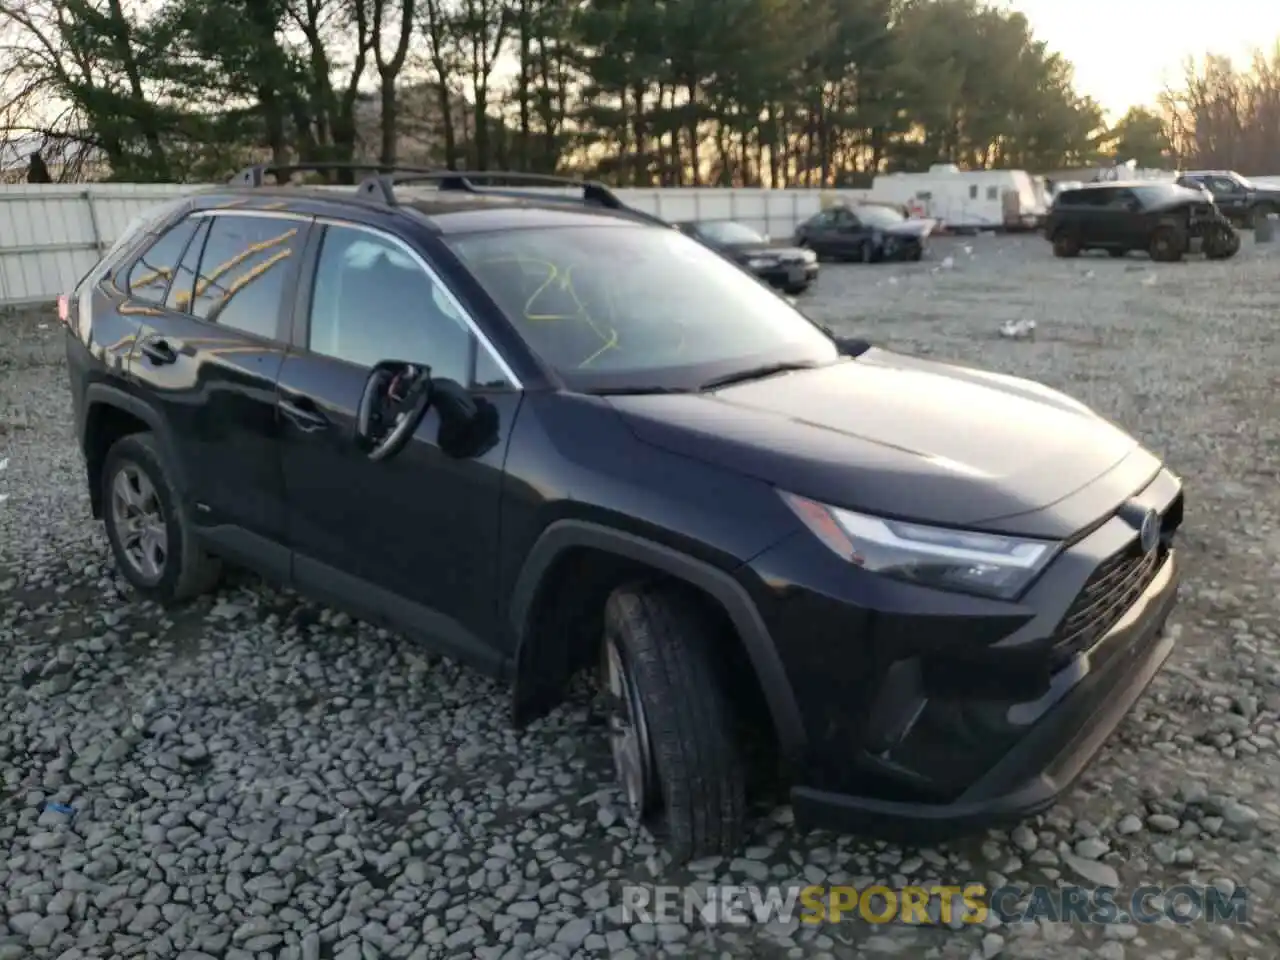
210	294
411	541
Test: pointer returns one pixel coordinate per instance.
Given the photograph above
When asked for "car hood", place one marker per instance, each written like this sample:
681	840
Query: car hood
910	228
909	438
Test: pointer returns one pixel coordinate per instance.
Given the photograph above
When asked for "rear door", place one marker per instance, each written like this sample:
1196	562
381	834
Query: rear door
214	294
821	233
1124	218
411	540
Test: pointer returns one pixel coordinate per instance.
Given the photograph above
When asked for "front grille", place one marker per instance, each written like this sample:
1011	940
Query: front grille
1112	589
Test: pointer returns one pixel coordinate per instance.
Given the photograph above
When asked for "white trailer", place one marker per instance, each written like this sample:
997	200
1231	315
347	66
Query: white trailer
966	199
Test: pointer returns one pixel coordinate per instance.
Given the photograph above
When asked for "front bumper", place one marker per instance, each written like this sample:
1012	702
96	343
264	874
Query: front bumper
903	248
940	711
1045	762
789	275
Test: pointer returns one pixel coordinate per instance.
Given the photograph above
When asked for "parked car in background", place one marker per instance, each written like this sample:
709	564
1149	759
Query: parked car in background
869	232
1164	219
789	268
1237	197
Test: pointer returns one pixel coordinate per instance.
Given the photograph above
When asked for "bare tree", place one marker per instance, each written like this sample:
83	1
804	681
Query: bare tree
389	70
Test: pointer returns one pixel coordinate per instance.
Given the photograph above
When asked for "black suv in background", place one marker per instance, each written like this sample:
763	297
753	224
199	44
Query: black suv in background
1165	220
1237	197
791	269
549	433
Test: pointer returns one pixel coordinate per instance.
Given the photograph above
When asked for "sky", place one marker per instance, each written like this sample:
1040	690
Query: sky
1124	51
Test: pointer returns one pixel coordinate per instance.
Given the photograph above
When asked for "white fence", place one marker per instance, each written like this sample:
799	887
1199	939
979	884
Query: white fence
51	234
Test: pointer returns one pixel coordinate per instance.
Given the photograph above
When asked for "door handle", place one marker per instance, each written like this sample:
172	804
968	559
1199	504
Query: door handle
304	413
158	351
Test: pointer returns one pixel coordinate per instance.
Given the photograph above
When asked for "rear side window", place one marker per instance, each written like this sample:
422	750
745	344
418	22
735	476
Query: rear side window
1084	198
151	273
243	266
179	296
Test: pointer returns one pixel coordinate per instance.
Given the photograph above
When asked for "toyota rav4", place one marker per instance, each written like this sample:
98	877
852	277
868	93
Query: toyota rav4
546	433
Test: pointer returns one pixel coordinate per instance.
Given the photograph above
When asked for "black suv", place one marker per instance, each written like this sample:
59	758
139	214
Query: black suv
547	433
1237	197
1164	219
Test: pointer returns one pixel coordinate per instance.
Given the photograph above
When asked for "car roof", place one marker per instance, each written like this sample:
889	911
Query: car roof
1121	185
445	201
453	212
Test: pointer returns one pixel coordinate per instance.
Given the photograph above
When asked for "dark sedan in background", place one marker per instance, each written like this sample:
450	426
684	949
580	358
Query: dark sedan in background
870	233
791	269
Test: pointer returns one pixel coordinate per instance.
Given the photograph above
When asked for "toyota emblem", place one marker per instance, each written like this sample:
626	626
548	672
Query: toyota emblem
1149	532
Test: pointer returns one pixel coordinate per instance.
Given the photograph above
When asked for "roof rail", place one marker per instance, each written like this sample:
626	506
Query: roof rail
256	175
383	187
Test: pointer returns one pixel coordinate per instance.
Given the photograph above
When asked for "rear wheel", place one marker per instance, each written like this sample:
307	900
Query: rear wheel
1066	245
1167	245
671	728
147	527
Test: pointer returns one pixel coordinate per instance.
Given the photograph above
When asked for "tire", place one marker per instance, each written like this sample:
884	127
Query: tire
795	289
1167	245
1066	245
1222	244
186	570
694	761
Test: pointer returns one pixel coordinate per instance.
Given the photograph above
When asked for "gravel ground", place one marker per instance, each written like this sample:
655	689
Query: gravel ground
253	776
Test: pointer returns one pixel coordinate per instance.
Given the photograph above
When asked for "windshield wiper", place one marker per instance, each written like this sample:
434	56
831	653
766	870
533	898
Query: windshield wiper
755	373
633	391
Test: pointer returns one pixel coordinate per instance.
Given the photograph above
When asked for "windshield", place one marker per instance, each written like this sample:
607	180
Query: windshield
618	307
879	216
1244	182
726	231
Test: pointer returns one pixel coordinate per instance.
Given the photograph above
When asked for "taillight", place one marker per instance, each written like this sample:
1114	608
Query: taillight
64	309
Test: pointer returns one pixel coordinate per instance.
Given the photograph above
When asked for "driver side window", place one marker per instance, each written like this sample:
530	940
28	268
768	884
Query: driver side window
373	301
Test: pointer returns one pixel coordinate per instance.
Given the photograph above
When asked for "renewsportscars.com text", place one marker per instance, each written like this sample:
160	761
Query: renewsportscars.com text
970	903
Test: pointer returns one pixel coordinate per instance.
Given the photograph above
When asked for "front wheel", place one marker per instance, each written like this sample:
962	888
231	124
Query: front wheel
671	728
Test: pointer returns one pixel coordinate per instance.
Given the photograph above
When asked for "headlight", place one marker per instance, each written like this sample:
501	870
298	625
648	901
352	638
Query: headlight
810	257
762	263
966	561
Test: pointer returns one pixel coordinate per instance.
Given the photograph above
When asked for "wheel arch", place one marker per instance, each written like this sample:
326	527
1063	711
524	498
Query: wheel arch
112	413
569	550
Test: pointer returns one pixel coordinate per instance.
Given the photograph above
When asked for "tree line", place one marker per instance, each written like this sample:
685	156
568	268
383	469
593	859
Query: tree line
638	92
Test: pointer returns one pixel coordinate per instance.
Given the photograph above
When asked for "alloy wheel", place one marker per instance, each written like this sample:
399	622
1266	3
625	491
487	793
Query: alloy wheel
628	732
139	521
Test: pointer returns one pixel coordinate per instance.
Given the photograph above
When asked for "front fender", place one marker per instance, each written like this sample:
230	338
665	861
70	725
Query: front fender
720	585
